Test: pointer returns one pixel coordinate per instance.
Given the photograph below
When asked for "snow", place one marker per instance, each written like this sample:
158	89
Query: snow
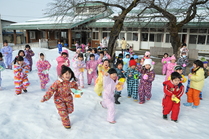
25	117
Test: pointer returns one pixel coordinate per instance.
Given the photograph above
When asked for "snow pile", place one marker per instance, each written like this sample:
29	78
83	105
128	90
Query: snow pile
25	117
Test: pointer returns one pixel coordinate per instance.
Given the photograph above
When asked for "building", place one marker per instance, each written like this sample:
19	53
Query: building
11	36
95	22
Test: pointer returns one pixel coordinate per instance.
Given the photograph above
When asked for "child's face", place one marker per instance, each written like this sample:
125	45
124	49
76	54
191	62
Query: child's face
120	66
5	44
80	58
88	51
79	50
147	66
179	71
113	76
101	55
205	65
120	58
173	61
127	56
27	48
93	51
105	52
66	76
133	67
165	56
21	54
42	57
176	81
106	64
20	62
1	58
194	65
136	60
92	58
64	55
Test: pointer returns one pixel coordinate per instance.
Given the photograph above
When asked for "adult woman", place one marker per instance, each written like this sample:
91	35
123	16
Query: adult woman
123	44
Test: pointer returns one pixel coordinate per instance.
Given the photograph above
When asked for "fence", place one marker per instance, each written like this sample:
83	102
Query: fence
159	51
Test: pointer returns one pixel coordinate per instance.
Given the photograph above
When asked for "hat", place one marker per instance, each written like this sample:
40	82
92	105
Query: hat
112	71
135	56
178	67
132	63
148	62
147	53
204	60
173	57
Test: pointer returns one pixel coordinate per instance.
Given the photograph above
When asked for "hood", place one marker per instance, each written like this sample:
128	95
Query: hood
148	61
65	51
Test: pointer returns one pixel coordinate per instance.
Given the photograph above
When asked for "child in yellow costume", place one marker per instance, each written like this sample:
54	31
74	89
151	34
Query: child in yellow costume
102	69
180	71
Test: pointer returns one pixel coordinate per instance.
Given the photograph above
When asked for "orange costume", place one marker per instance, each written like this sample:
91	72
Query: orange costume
63	98
20	77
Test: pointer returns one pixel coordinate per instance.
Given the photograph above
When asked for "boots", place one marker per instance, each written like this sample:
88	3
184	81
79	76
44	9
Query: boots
116	98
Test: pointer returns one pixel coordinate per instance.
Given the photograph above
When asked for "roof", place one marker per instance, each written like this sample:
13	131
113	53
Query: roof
8	21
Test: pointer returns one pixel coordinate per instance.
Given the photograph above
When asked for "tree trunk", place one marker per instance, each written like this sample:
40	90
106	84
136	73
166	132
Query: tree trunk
175	40
117	27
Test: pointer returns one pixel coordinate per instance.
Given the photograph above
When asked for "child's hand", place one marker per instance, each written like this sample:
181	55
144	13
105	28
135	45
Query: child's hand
173	96
145	77
122	71
42	100
189	76
106	74
184	65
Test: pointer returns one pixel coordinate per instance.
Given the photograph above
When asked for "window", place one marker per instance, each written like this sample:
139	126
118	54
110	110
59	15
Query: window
184	30
193	30
105	34
153	30
57	34
151	37
160	30
144	36
32	35
201	39
159	38
121	35
64	35
208	40
135	36
192	39
96	35
145	30
202	30
43	34
129	36
167	38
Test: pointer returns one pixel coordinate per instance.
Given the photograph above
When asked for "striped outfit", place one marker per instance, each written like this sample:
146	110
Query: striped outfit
20	77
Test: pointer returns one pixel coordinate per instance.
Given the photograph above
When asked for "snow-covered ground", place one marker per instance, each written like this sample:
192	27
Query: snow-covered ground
25	117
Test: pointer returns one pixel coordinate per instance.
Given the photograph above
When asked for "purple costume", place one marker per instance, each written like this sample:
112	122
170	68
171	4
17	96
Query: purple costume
28	55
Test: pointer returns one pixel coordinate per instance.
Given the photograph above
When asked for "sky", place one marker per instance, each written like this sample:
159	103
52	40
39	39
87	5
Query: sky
22	10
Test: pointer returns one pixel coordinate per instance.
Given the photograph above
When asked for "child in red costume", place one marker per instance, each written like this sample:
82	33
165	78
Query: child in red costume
173	90
63	98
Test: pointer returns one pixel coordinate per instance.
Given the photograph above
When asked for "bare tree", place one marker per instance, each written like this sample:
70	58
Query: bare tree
62	7
177	13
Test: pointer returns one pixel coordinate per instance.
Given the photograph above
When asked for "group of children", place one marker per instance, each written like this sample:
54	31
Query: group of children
109	82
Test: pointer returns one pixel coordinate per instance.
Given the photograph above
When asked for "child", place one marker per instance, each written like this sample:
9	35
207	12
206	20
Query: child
87	55
2	67
43	67
183	62
206	70
91	68
126	62
101	56
83	46
78	51
7	53
59	46
63	98
165	61
170	66
131	51
120	74
22	54
180	71
146	56
79	66
196	84
99	50
20	75
173	89
132	76
110	81
62	60
94	51
119	58
106	55
147	77
28	55
102	70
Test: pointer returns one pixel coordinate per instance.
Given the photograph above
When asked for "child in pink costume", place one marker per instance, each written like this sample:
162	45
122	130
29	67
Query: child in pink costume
43	67
91	67
146	56
79	66
170	67
62	60
165	61
109	83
